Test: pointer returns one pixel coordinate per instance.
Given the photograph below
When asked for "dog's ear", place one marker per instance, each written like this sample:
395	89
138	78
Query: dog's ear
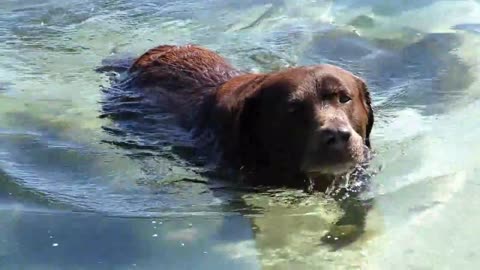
367	101
250	148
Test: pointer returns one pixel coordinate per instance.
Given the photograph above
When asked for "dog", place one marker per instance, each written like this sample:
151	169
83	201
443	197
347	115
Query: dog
294	127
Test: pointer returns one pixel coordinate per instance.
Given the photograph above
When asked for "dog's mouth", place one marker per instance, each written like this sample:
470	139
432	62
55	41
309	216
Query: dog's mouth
331	169
336	163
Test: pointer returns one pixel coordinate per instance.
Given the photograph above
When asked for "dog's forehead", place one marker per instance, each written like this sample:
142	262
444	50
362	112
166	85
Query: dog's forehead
332	77
303	82
325	79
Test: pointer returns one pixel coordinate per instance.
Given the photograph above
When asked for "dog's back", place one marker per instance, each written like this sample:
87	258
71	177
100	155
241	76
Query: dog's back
181	67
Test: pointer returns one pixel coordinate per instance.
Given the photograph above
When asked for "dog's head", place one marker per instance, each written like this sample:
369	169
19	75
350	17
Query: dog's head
313	120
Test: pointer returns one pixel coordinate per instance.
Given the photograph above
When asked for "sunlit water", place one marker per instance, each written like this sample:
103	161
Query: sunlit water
79	190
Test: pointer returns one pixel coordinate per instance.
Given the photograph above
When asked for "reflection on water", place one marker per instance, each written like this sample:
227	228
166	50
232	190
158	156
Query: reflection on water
86	184
59	240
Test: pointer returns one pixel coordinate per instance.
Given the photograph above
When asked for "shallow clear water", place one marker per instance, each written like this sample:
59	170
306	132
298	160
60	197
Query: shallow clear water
80	191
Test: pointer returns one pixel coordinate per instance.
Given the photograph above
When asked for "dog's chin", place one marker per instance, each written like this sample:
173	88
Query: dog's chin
331	169
336	163
339	167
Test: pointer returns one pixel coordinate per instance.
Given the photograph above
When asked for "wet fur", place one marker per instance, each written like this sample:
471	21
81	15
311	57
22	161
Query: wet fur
214	100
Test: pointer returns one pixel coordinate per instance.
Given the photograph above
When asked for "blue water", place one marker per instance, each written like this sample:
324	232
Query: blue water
81	191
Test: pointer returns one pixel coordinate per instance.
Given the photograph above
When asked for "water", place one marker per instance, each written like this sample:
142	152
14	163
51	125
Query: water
81	191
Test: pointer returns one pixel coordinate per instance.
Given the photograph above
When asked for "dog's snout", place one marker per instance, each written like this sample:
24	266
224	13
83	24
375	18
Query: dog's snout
335	136
344	134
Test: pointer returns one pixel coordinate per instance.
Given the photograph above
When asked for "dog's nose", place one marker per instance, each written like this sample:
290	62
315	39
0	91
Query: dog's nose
335	136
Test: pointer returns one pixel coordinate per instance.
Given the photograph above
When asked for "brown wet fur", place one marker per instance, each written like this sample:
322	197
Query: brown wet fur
271	127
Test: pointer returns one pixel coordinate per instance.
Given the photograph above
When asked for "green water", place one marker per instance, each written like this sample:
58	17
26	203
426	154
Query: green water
76	195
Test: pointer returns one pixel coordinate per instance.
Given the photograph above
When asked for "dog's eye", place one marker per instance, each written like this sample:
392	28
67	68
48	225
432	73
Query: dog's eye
344	99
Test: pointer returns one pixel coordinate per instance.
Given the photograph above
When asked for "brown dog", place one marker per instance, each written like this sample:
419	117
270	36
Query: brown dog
280	128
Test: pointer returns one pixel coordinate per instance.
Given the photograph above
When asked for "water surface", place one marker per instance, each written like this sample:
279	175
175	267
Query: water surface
82	191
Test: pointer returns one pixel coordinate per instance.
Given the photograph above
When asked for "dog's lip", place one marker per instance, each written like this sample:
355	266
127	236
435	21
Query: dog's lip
338	159
335	168
340	166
